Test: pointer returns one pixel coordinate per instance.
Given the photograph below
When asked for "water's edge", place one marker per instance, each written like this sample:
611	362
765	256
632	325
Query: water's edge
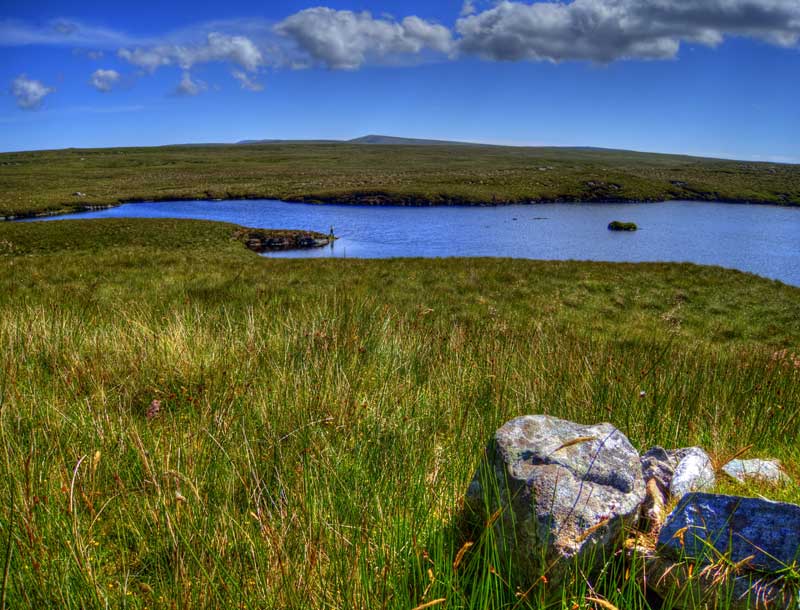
380	199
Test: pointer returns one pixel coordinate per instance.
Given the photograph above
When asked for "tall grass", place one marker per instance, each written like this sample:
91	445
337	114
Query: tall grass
320	422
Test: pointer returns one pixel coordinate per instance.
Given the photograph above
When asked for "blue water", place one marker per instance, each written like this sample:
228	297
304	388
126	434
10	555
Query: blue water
757	238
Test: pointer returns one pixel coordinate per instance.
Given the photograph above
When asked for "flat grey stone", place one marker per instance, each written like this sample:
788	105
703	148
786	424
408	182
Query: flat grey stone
564	492
764	471
705	526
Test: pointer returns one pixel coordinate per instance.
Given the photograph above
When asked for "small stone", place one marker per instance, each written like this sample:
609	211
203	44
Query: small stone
654	506
658	464
762	471
694	472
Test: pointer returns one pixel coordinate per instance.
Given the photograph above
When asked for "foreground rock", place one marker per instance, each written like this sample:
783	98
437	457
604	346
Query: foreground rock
705	527
672	474
760	471
739	545
683	586
679	471
694	472
565	493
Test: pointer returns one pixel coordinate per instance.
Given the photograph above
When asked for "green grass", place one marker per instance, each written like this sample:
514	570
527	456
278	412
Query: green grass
46	182
321	419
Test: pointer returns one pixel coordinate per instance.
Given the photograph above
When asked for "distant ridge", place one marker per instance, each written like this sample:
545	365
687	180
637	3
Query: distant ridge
289	142
378	139
374	139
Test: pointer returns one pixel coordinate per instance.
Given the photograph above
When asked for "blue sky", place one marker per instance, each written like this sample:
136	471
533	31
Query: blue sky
710	77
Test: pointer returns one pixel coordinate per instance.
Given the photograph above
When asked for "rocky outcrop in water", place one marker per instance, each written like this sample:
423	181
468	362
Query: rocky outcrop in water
268	240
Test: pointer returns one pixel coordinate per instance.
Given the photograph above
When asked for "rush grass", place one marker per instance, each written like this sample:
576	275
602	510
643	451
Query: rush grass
320	420
49	181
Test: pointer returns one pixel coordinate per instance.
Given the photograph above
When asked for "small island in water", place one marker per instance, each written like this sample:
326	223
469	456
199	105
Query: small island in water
273	240
622	226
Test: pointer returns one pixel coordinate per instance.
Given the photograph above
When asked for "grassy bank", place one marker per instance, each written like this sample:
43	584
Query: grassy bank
319	420
46	182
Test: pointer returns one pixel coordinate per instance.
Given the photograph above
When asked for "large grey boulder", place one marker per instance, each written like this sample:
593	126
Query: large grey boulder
557	493
762	471
705	527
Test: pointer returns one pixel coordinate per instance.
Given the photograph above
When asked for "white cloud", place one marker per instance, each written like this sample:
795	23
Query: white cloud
348	40
29	92
608	30
189	87
468	8
104	80
149	59
217	47
246	82
60	32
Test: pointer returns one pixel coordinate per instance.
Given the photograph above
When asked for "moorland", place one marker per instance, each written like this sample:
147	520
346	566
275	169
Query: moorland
185	424
69	180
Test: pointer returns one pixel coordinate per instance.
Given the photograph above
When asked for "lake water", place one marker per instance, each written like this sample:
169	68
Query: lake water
757	238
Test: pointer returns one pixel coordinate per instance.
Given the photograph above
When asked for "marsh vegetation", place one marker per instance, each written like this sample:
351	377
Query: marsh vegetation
185	424
74	179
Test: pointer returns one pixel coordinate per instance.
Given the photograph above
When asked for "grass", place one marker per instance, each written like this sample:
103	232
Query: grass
47	181
320	420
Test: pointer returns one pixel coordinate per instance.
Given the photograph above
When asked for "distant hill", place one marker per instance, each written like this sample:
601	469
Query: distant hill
371	139
378	139
289	142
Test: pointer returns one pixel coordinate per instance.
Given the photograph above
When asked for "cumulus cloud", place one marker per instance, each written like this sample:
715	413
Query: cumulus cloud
607	30
189	87
104	80
246	82
468	8
347	40
149	59
217	47
29	92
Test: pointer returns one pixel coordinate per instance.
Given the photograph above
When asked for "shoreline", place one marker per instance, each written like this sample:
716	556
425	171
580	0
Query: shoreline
383	200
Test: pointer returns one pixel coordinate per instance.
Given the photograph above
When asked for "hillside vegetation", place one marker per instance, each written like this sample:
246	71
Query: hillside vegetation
69	180
185	424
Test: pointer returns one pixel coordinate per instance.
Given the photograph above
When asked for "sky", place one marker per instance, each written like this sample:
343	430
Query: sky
704	77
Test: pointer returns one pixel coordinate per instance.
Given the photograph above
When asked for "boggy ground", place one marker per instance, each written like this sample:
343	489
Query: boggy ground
74	179
320	420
